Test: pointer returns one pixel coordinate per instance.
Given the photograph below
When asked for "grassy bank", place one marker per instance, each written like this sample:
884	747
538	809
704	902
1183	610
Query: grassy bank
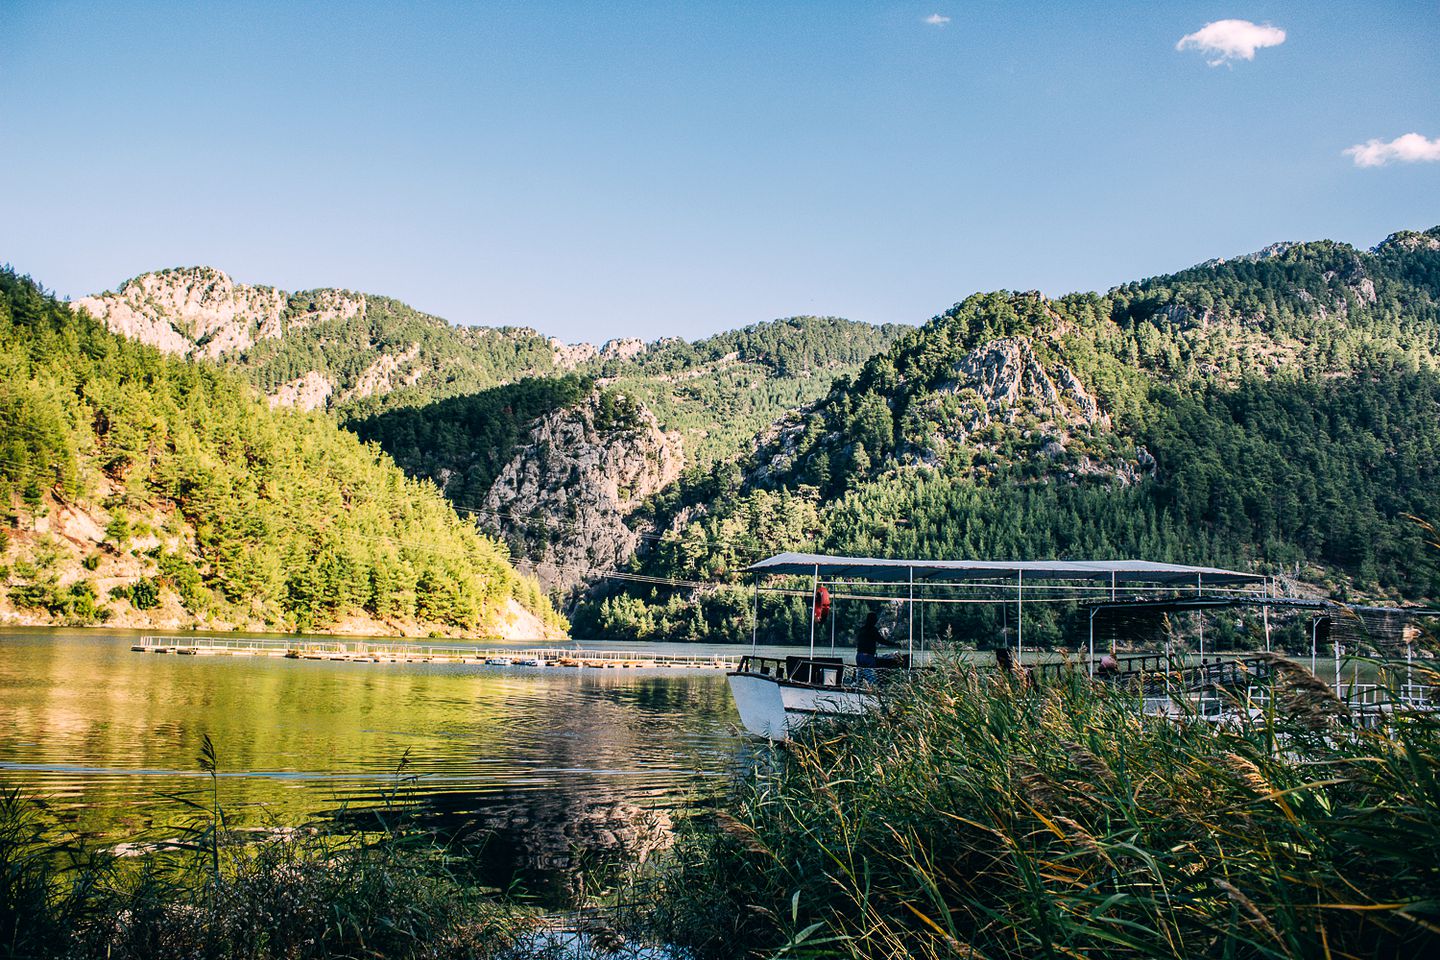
980	817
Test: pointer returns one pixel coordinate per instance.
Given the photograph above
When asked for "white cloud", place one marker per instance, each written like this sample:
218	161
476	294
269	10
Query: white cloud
1411	148
1227	40
936	20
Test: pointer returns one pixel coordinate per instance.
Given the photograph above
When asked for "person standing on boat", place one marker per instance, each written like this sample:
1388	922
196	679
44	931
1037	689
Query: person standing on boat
867	643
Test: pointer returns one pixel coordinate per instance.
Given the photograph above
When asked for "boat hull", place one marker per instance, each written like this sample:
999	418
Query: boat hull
774	708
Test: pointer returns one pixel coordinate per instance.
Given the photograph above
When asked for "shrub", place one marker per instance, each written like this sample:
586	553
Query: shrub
144	594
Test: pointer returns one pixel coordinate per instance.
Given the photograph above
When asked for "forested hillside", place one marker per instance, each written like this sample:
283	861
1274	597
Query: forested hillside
716	392
360	355
147	490
325	348
720	391
460	405
592	444
1280	412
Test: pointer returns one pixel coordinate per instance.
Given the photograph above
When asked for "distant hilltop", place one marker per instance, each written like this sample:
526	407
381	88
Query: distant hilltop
202	312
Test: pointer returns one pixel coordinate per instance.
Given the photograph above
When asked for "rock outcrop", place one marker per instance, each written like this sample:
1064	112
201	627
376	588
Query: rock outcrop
568	356
309	392
562	500
1411	241
386	373
622	348
1004	379
323	347
195	311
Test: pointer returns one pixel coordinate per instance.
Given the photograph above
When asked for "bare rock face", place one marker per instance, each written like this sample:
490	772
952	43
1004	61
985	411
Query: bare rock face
1265	253
562	500
622	348
1003	384
386	373
1005	379
195	311
307	393
568	356
1412	241
319	306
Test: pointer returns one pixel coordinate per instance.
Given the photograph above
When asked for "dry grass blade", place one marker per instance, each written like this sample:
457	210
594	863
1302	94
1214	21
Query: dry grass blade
1303	697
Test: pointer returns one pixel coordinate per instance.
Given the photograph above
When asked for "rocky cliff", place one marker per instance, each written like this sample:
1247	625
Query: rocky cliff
1001	389
196	311
563	498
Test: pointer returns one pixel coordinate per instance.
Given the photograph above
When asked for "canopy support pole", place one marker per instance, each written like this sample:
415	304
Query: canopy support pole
1199	591
1093	611
1314	630
910	617
922	629
834	615
1019	617
755	623
1409	670
814	600
1265	614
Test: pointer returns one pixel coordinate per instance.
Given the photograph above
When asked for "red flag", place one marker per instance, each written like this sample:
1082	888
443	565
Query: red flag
822	604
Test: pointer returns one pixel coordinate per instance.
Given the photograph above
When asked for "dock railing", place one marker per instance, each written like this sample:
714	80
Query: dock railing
384	651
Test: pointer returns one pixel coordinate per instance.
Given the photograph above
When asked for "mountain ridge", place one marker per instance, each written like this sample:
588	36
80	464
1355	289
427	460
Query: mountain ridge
1280	413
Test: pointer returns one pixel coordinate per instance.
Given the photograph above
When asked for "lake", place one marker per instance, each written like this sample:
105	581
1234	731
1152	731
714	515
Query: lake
555	769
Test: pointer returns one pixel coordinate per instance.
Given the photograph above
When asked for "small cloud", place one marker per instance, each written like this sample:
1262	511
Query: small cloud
1411	148
937	20
1227	40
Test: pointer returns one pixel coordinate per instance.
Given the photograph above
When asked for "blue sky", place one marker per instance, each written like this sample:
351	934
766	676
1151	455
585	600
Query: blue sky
650	169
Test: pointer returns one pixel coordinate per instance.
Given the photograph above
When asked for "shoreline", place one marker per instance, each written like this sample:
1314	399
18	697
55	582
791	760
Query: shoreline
523	626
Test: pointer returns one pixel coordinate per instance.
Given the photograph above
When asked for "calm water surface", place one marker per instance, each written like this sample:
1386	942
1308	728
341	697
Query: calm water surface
554	767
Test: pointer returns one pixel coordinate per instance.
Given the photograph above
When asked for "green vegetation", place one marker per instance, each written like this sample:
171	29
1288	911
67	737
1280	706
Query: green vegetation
464	442
451	360
717	392
219	893
275	517
721	391
981	816
1275	413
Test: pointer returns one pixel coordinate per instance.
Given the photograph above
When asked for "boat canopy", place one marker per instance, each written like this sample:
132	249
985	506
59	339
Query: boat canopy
1002	571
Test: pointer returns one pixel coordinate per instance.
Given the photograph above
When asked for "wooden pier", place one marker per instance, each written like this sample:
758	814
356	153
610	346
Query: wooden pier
382	651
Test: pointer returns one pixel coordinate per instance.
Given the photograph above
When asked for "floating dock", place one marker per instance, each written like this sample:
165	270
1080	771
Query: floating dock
366	651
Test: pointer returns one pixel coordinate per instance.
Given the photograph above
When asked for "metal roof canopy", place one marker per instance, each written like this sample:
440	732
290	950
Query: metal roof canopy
991	571
1183	604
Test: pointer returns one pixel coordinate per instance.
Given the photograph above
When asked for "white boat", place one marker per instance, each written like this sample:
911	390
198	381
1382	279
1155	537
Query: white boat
775	697
500	662
530	662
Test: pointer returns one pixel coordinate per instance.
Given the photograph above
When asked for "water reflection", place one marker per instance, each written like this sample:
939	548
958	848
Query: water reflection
555	768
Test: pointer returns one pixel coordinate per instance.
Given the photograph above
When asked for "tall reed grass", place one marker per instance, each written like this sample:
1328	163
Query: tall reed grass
978	815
